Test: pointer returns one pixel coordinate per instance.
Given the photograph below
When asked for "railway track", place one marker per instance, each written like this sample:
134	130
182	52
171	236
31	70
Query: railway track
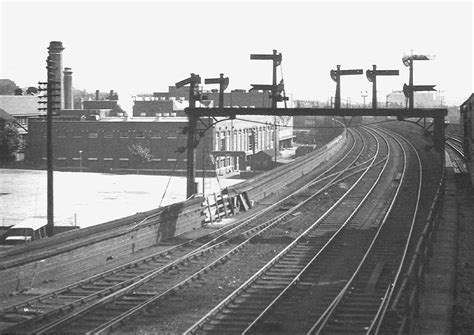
81	295
262	303
361	304
455	152
118	308
148	290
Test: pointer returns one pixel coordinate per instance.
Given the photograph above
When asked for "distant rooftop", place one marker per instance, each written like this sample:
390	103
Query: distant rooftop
20	105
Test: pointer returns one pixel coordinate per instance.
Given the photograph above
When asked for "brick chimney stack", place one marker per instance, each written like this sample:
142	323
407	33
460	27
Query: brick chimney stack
55	50
68	96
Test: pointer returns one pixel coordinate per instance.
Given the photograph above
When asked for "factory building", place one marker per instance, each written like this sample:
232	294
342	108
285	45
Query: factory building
102	137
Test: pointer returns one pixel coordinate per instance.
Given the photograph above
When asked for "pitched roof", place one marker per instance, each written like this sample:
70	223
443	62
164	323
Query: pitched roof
5	116
16	105
471	98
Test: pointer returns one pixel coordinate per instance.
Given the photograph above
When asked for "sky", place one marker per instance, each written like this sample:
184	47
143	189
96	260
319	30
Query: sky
144	47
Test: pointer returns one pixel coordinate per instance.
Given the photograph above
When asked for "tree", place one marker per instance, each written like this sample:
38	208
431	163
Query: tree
10	143
7	87
31	90
140	152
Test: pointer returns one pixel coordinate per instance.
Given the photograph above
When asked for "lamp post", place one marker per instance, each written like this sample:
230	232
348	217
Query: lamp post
364	95
80	160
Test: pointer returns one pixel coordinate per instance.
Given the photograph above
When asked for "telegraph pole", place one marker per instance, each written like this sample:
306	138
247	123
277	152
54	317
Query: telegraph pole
52	101
193	80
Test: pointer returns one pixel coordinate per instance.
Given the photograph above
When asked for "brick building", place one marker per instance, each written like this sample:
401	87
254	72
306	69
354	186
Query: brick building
111	145
96	139
234	140
397	99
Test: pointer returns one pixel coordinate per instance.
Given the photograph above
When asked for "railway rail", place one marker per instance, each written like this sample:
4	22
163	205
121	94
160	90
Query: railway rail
249	308
291	278
80	295
455	152
118	308
364	299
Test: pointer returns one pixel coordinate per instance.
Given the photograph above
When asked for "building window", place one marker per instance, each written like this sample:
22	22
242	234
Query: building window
123	162
166	114
142	114
173	114
158	114
93	135
61	161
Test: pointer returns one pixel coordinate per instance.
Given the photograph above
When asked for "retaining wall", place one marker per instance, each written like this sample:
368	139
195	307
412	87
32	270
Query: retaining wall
93	246
90	247
275	180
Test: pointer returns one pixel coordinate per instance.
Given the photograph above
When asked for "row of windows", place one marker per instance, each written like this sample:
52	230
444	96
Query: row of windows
107	159
121	135
158	114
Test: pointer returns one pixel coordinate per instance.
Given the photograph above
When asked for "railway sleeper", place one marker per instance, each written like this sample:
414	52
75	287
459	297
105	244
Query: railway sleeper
260	287
15	318
295	255
74	329
346	327
236	315
126	304
363	300
65	298
287	264
259	298
221	329
94	319
234	308
89	288
75	295
273	282
270	274
49	302
229	323
247	299
145	293
102	284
